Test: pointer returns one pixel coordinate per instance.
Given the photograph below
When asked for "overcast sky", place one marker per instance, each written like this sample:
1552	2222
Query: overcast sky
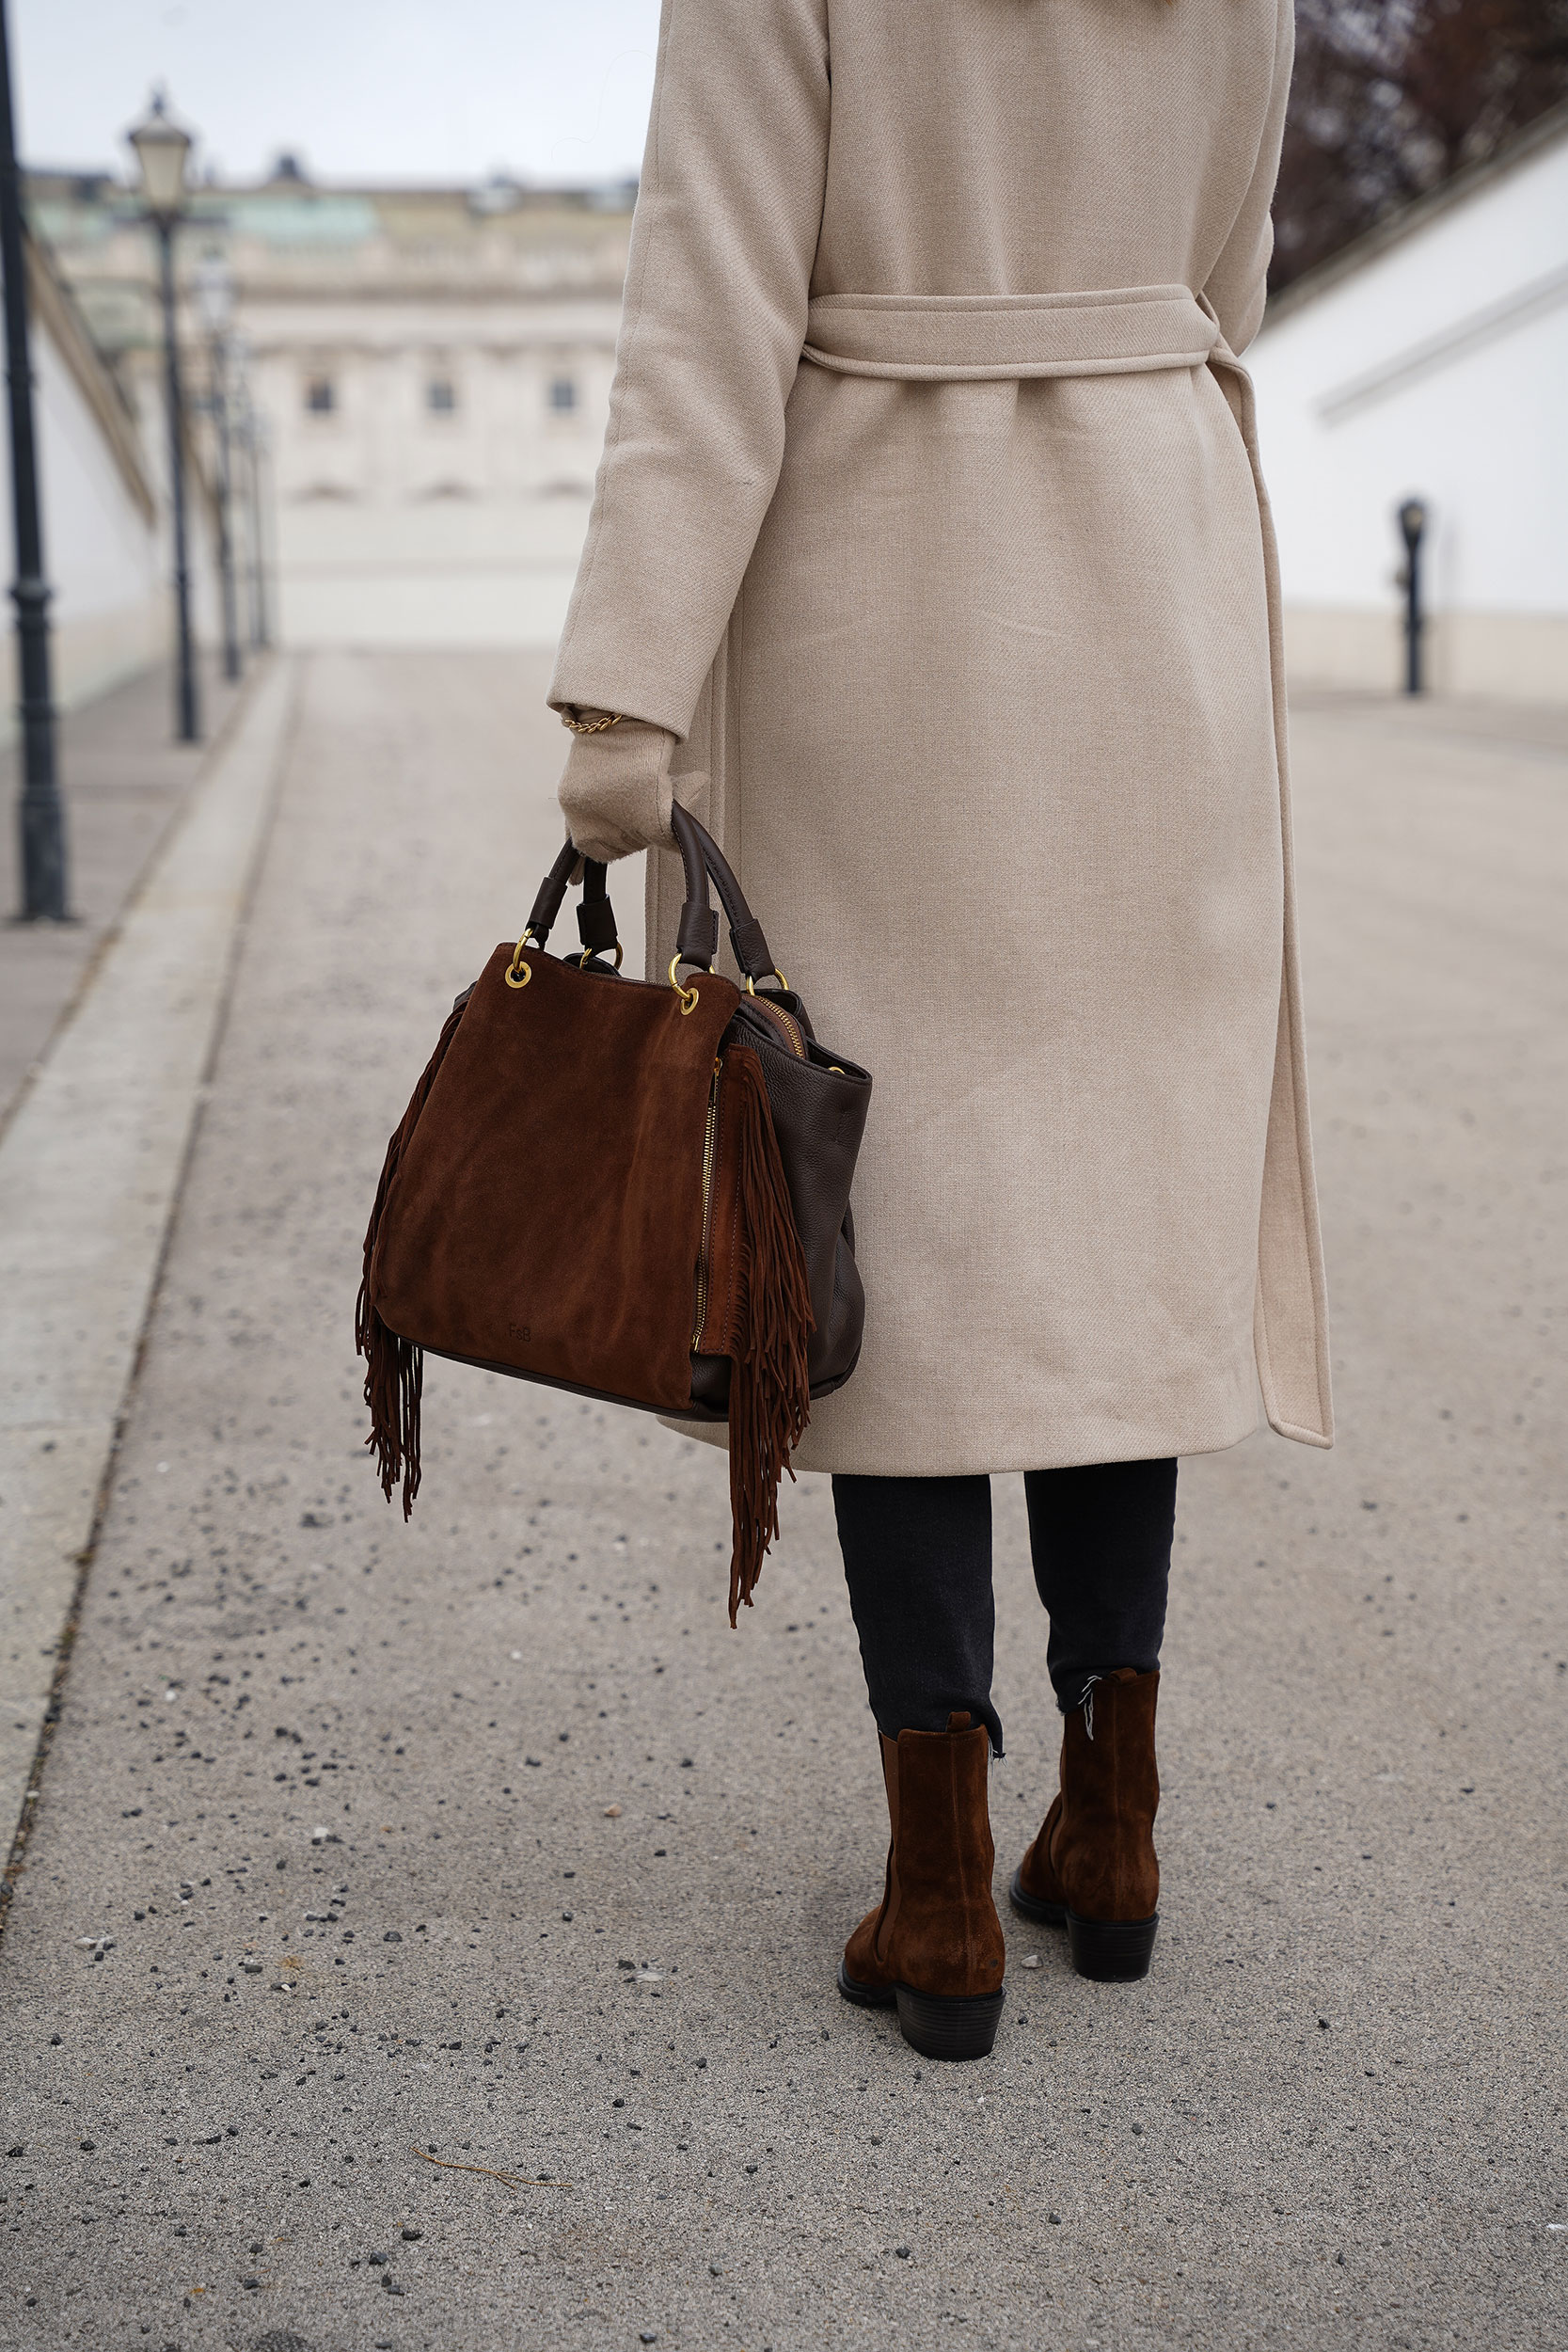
360	90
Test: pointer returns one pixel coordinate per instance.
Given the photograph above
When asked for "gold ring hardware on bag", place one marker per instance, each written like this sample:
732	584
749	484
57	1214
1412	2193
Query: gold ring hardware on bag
589	953
751	986
518	974
689	996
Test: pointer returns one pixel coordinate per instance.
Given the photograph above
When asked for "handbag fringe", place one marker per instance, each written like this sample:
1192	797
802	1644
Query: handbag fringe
771	1321
394	1373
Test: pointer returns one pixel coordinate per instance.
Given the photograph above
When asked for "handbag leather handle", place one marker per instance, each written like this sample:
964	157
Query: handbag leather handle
596	915
697	939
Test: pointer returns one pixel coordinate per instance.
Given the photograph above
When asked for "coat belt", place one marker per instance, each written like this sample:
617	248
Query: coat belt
953	337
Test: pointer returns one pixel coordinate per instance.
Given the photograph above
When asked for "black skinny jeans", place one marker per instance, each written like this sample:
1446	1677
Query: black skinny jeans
917	1559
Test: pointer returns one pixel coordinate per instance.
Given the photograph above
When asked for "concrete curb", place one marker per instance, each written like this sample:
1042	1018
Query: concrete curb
90	1168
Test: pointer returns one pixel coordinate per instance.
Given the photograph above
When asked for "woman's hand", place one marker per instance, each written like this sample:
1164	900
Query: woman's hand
616	790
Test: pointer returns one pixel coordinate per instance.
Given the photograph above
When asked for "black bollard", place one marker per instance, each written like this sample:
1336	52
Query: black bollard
1413	523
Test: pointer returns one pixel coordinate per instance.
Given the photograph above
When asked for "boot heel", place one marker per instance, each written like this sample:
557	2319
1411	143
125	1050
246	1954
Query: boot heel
1113	1951
949	2026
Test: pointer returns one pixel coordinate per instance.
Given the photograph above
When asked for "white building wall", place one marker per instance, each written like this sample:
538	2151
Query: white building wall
398	524
143	374
385	520
110	607
1438	368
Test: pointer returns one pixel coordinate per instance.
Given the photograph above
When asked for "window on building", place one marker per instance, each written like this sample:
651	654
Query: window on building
440	396
321	395
563	394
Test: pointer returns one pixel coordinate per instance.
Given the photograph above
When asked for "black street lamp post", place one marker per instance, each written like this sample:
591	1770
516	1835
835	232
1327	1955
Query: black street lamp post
256	452
39	812
215	292
1413	523
162	148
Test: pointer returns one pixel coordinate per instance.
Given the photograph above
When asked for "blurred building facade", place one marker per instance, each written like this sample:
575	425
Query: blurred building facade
430	369
424	376
1430	359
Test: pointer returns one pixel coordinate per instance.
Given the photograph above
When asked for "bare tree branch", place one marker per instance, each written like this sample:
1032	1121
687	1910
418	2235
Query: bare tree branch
1392	96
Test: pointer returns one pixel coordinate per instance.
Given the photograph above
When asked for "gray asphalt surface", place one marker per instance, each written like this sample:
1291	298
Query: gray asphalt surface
486	1841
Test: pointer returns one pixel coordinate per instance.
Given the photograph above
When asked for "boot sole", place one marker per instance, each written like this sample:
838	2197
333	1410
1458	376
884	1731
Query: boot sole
938	2024
1111	1951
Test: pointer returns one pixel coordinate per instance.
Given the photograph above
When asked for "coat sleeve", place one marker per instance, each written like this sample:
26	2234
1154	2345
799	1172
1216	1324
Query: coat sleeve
1237	285
722	245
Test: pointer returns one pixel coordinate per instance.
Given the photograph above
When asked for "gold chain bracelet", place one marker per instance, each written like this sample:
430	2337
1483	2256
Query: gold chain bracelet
588	726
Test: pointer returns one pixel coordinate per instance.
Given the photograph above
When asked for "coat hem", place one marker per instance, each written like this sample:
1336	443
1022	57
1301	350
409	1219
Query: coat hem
1299	1435
1012	1459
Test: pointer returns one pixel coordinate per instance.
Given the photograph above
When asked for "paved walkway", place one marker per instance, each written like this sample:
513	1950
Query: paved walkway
124	779
363	1853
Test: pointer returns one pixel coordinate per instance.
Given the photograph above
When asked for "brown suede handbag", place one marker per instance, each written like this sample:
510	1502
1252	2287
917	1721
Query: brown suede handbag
627	1190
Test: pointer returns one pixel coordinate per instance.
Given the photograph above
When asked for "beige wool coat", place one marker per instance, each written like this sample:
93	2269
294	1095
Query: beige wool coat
930	526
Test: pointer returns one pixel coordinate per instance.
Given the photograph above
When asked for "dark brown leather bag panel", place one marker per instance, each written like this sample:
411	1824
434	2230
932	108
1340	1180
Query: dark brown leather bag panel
819	1114
547	1212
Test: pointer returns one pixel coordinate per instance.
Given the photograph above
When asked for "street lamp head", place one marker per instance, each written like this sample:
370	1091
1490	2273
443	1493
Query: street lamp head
162	148
1413	521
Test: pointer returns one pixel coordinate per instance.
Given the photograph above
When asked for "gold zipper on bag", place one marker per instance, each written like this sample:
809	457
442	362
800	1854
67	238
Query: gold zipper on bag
786	1022
710	1139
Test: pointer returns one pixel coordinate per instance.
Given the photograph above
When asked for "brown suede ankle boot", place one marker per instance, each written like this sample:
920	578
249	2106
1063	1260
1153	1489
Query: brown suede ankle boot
933	1946
1092	1869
